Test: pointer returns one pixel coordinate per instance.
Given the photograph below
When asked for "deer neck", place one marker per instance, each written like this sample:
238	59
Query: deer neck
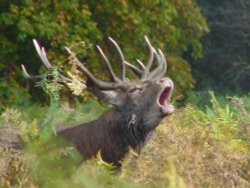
124	126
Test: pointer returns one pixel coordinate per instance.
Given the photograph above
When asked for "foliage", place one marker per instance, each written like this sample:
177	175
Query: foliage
55	24
12	94
173	26
208	149
226	59
191	148
52	88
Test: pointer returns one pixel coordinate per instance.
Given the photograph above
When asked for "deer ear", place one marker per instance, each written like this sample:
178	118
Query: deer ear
109	96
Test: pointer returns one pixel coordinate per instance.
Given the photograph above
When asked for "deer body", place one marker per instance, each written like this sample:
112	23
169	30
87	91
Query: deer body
138	107
112	134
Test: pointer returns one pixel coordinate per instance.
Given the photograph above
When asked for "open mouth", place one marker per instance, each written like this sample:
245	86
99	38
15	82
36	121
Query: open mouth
164	96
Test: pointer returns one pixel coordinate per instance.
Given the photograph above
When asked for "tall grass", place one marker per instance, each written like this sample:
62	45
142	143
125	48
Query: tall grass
208	147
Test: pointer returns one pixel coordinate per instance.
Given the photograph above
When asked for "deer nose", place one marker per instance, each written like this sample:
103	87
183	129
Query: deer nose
167	82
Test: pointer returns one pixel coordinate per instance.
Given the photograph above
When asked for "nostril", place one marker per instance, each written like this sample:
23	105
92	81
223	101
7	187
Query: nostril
161	81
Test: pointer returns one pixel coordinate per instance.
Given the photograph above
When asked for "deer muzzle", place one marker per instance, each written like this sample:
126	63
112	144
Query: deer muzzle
165	93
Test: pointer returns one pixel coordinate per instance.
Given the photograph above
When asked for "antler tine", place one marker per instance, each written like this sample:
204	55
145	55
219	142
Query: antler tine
163	72
122	58
42	55
110	70
155	73
31	78
135	70
25	73
97	82
160	70
150	58
141	64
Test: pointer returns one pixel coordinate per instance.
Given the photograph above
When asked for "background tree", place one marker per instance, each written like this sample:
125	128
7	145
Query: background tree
174	26
226	63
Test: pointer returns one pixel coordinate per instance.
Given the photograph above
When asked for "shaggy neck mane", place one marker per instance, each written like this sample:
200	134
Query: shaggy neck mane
123	127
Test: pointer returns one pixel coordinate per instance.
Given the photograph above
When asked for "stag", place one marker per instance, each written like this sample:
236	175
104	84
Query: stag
138	105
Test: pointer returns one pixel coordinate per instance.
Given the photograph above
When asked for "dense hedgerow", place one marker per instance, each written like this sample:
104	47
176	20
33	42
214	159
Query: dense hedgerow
56	24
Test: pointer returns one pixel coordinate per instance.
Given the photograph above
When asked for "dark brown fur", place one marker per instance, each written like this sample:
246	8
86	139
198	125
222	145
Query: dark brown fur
138	106
124	126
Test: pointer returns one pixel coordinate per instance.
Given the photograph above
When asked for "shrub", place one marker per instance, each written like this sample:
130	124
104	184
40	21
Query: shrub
55	24
191	148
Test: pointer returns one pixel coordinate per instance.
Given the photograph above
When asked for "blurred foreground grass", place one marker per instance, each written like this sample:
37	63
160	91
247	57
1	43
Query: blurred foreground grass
194	147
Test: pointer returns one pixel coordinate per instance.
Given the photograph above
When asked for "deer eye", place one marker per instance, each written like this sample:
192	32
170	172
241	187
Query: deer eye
135	89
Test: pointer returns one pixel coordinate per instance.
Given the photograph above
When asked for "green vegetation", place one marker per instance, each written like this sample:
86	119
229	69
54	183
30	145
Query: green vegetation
172	26
205	143
192	148
226	48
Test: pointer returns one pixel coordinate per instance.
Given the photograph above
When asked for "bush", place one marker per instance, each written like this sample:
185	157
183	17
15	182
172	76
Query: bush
191	148
226	48
55	24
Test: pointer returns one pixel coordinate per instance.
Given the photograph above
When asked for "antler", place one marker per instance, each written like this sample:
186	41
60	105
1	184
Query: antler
116	82
42	54
144	73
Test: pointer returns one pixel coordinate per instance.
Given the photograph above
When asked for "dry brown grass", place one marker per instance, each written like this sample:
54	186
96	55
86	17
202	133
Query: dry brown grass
192	156
191	148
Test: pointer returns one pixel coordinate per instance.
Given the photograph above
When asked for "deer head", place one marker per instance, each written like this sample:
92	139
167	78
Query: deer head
146	97
138	105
